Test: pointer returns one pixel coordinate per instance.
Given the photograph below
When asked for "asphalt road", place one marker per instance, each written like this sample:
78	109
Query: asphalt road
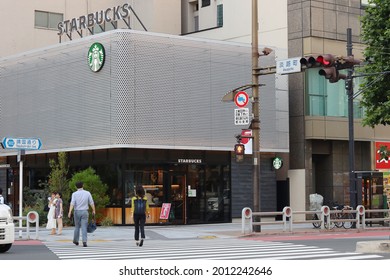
28	250
342	242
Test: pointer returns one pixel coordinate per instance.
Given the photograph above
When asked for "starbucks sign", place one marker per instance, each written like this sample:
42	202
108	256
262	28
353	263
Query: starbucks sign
277	162
96	57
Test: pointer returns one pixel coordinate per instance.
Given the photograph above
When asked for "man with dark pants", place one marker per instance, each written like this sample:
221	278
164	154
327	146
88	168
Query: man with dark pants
80	201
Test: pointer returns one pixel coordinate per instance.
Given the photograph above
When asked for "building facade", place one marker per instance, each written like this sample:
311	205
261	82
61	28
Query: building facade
223	20
319	131
151	116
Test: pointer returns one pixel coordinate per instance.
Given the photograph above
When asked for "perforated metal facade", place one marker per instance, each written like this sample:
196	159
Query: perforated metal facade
154	91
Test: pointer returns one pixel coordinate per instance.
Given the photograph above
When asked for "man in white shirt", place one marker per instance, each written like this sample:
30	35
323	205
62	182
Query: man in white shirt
81	200
1	196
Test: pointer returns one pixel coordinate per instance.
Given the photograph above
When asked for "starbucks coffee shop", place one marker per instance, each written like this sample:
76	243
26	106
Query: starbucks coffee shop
141	109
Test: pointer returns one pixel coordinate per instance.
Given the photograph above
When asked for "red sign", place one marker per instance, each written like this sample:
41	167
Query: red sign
247	141
165	209
382	154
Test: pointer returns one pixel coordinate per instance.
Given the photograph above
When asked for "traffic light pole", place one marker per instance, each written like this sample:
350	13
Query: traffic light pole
256	120
349	89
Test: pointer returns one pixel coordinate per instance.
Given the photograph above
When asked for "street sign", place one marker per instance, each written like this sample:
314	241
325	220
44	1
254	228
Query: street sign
241	116
291	65
247	140
241	99
5	165
21	143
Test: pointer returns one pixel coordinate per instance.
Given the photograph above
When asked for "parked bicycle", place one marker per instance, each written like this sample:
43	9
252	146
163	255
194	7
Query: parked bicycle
336	218
317	221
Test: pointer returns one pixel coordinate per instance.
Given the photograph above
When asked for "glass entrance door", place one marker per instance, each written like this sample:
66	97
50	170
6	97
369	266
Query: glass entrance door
177	192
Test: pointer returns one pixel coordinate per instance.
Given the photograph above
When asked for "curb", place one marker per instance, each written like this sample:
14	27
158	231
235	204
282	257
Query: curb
379	246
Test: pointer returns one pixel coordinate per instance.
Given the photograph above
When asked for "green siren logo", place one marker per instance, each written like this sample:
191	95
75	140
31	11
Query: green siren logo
96	57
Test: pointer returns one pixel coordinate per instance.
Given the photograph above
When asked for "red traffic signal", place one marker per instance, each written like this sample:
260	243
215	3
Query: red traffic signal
325	60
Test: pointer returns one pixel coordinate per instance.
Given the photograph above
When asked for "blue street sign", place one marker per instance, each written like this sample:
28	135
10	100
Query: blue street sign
21	143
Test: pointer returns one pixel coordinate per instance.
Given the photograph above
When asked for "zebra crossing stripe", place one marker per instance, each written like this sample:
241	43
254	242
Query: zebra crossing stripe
199	249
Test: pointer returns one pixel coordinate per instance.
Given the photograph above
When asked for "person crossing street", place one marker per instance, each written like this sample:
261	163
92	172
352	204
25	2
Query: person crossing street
80	202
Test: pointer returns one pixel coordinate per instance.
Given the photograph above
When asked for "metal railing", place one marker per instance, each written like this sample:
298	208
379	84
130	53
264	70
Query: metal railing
31	218
325	217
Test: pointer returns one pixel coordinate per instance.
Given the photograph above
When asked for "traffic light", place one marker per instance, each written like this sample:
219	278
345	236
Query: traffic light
331	65
347	62
332	74
239	150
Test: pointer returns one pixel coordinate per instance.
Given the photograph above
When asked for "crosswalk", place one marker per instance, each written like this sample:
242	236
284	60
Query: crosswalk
211	249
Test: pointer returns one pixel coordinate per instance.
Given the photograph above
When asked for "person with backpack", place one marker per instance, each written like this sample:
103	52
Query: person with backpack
140	208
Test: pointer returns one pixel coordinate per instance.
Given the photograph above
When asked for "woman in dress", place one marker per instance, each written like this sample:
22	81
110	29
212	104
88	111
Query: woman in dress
51	219
59	212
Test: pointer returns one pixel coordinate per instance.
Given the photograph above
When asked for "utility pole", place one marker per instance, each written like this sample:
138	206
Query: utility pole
255	126
349	90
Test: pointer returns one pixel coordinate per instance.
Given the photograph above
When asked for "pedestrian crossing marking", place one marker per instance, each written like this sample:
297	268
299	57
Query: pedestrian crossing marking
213	249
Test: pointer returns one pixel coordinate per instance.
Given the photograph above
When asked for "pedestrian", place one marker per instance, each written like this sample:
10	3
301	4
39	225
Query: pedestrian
51	217
1	196
140	207
80	201
59	212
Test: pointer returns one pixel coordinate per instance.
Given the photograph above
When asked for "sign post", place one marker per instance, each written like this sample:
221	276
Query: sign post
21	144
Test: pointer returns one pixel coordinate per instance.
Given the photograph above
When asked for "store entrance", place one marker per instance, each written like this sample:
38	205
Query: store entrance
177	190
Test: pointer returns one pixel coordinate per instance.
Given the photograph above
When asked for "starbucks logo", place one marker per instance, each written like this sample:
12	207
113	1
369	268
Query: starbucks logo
277	163
96	57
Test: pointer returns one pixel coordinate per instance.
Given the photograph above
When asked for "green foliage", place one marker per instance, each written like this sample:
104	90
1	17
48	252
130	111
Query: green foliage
376	35
93	184
35	201
58	176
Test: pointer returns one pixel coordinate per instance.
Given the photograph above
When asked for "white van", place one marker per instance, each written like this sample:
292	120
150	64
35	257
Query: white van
7	228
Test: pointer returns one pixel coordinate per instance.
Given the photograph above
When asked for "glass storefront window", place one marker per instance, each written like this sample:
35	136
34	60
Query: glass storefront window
329	99
198	193
152	181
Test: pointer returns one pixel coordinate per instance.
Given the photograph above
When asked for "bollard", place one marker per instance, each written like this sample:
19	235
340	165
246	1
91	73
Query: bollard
360	212
32	217
287	213
325	212
246	214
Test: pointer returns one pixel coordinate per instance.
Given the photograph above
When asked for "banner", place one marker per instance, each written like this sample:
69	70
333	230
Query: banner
382	153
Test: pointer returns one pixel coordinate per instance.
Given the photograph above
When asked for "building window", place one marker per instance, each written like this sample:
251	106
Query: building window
47	20
205	3
329	99
220	15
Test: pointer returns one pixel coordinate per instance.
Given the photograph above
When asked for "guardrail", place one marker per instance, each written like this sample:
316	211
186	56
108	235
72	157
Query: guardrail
31	218
325	217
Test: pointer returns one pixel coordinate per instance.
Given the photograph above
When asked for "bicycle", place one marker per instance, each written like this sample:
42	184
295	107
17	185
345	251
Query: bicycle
347	216
317	223
337	216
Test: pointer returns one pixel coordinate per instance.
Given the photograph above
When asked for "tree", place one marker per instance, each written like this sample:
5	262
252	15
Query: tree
376	35
58	180
93	184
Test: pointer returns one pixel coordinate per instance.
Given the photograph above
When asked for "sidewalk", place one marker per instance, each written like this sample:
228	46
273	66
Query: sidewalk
205	231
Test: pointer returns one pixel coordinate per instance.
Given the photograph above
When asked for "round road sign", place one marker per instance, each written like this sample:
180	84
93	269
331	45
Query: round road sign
241	99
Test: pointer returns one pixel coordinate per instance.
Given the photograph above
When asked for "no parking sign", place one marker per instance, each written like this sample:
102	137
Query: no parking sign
241	99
